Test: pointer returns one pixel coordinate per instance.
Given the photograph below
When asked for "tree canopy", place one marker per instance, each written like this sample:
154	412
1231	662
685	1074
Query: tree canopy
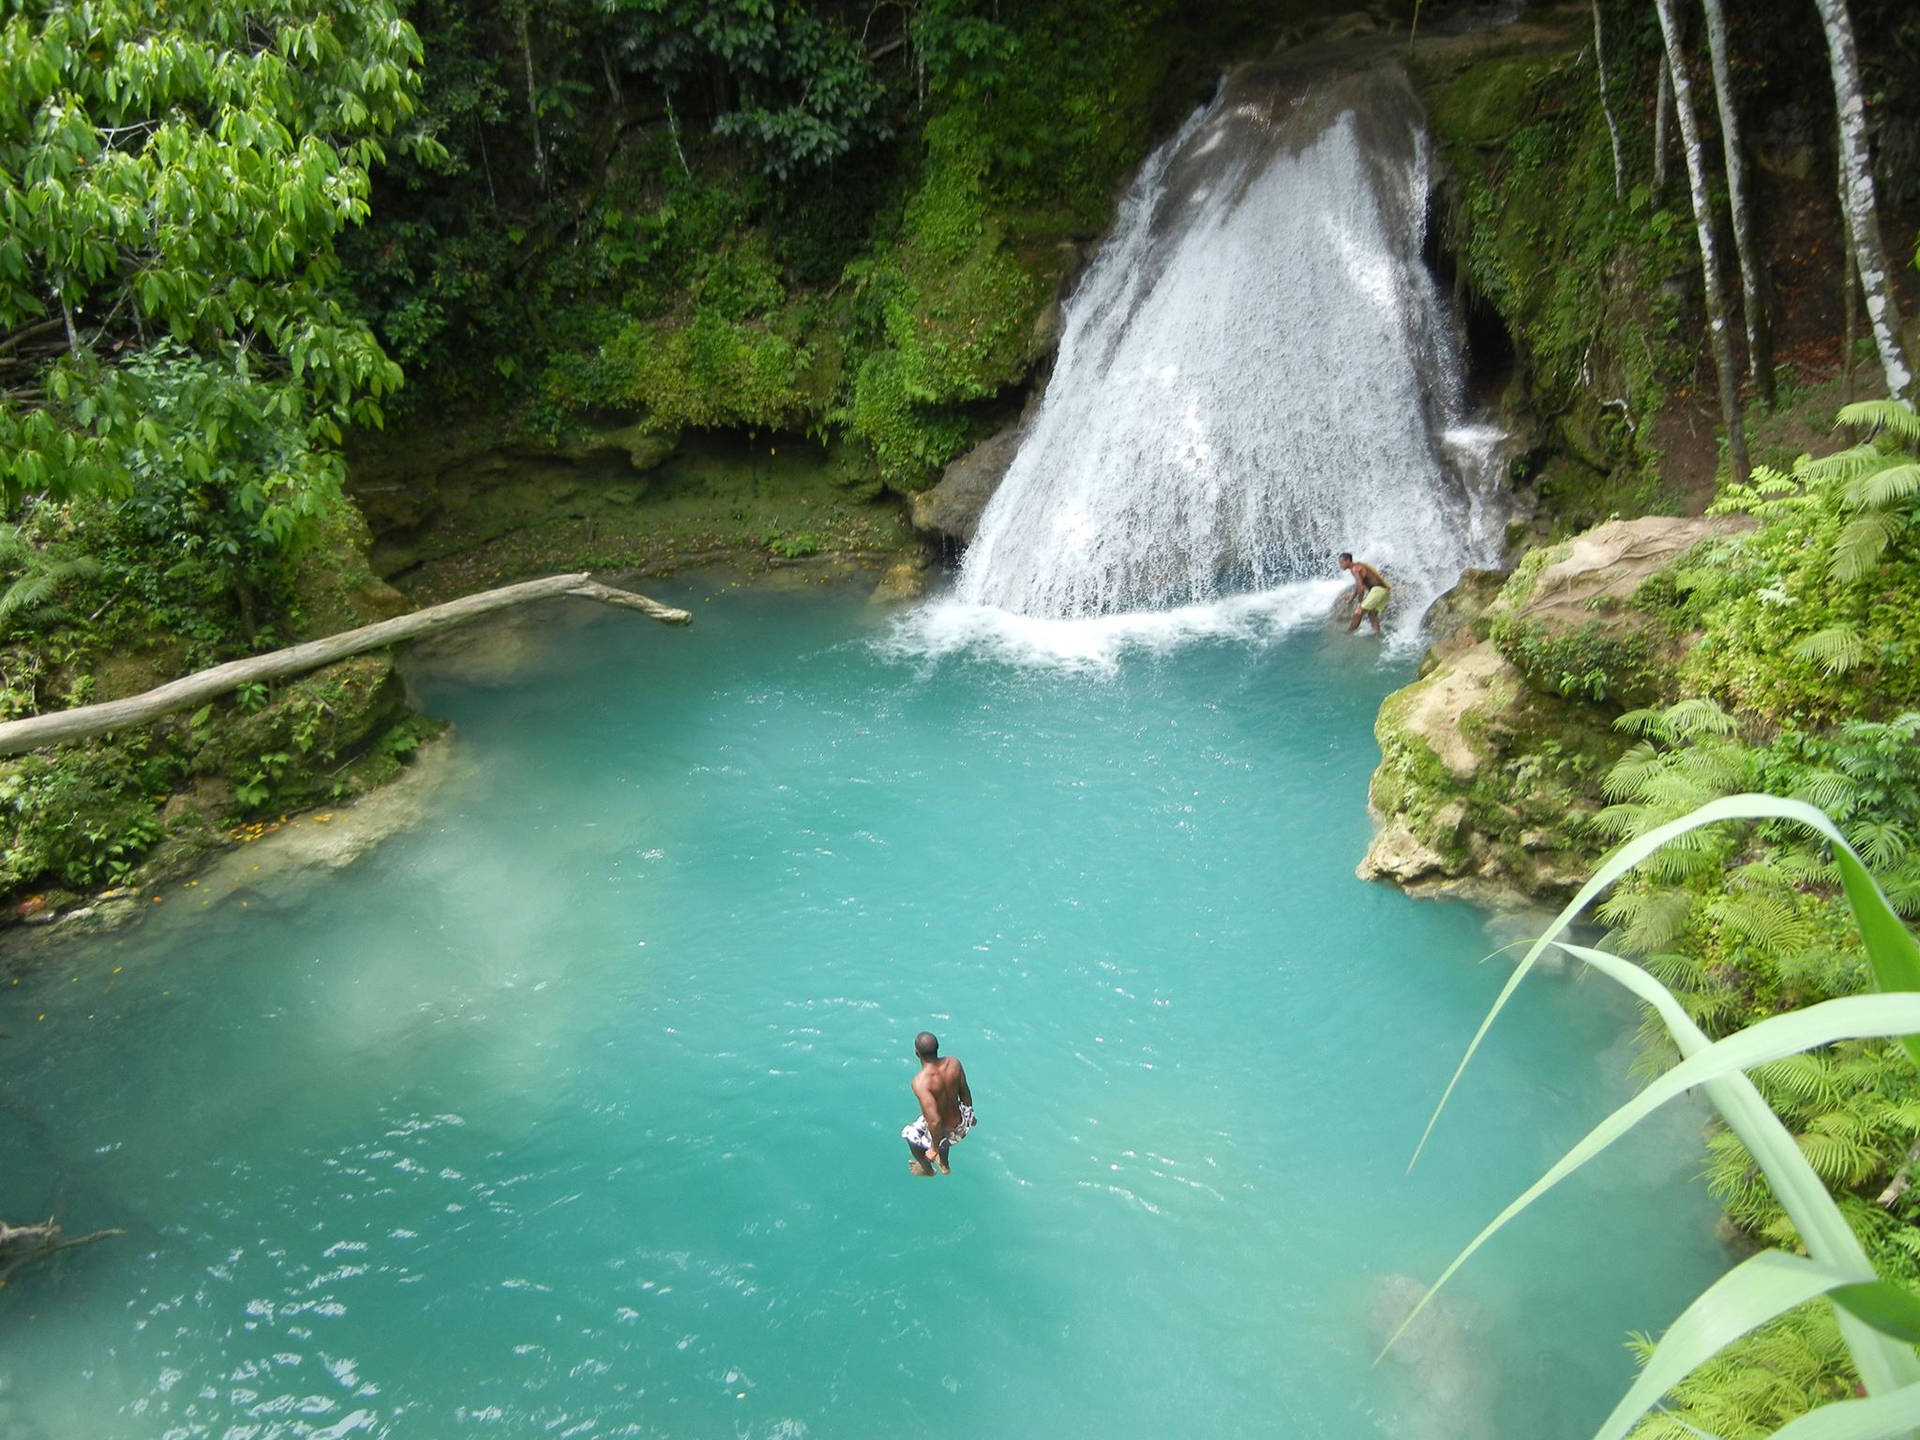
173	175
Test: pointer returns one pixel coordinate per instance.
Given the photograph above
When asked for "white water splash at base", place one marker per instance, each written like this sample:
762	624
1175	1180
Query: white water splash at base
1099	643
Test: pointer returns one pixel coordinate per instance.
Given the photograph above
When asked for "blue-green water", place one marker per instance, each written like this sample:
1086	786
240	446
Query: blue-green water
574	1110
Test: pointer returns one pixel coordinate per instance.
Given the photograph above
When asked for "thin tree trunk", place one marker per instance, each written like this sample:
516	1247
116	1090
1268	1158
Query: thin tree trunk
1709	249
1755	289
1662	130
1606	106
1849	299
613	82
204	685
533	97
1856	188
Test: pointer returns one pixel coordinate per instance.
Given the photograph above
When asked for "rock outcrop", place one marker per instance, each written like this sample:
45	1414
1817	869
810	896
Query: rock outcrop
1492	760
952	507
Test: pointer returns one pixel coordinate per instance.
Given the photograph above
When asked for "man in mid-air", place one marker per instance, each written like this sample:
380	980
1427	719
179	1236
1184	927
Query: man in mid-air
946	1108
1370	591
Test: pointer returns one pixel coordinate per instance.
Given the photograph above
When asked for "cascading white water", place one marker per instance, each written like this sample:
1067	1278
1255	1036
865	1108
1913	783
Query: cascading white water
1257	373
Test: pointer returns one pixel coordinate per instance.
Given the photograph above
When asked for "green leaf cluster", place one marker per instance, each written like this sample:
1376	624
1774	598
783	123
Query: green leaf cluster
183	171
1806	617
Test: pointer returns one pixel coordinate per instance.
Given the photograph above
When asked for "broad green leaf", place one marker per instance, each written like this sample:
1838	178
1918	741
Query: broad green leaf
1881	1417
1852	1017
1748	1295
1622	860
1884	1363
1889	1308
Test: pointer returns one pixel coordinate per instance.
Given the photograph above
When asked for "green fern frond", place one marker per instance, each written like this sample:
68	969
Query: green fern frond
1648	723
1675	970
1678	789
16	551
1719	769
1700	716
1802	1079
1629	772
1765	923
1836	649
1883	844
1622	822
1861	544
1842	465
1655	924
1893	418
1879	489
1838	1159
1830	790
31	595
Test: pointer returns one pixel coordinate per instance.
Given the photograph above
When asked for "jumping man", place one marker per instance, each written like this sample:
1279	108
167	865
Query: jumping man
1370	591
946	1108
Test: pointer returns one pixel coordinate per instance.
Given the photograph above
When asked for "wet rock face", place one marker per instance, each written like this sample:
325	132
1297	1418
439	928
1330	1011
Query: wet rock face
952	507
1491	762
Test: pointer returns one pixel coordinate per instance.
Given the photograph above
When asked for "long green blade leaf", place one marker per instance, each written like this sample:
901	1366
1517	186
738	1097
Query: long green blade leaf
1890	945
1884	1364
1623	859
1884	1417
1889	1308
1852	1017
1750	1294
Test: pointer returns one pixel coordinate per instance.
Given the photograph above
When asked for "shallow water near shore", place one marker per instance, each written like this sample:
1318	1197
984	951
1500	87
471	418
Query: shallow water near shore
574	1109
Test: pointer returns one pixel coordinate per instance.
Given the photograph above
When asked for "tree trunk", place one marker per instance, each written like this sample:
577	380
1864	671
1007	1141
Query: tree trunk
1662	130
1856	188
1709	249
1849	299
205	685
1606	105
533	96
1755	289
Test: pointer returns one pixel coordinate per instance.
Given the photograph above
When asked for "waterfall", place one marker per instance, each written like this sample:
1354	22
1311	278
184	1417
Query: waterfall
1257	372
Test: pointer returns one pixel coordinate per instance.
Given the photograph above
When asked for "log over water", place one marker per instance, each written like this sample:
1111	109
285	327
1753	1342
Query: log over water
87	720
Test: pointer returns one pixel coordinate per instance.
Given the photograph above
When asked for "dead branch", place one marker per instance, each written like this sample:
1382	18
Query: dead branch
204	685
23	1244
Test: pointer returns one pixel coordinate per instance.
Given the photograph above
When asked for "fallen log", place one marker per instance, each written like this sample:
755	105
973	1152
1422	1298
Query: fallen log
21	1244
87	720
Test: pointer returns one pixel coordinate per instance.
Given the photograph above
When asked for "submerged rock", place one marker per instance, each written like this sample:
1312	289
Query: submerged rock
902	582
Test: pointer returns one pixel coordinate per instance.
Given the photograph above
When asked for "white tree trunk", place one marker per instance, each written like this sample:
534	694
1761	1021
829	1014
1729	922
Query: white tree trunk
85	720
1849	301
1709	248
1856	188
1662	129
1606	106
1755	292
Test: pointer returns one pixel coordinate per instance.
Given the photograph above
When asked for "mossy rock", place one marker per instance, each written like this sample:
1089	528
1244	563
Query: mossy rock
286	752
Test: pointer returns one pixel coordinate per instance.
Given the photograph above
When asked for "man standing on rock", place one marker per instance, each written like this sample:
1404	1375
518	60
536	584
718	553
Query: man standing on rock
946	1108
1370	591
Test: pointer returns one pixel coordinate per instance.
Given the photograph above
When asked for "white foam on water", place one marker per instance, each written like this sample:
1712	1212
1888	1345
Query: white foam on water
1098	643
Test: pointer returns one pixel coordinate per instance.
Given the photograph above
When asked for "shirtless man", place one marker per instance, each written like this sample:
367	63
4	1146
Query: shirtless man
946	1108
1370	591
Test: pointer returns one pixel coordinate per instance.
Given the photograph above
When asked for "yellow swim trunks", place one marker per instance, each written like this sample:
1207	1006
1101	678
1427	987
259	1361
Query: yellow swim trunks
1376	599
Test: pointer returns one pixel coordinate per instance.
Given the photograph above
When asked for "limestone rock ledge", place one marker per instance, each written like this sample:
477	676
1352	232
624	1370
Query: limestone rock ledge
1493	759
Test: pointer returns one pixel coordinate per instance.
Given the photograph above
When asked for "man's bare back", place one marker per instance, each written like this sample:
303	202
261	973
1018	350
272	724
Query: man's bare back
946	1107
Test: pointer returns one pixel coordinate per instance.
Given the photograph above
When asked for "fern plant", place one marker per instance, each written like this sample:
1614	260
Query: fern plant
37	578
